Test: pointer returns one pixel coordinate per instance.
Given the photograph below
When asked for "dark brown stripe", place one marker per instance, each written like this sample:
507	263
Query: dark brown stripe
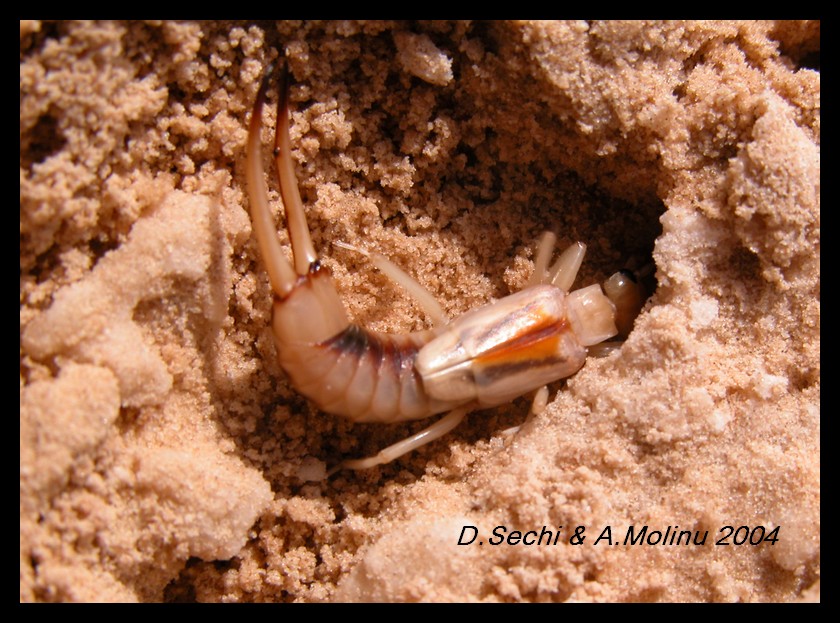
500	369
390	355
353	339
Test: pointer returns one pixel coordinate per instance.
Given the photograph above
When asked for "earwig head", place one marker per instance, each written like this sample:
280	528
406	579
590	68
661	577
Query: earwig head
591	314
627	294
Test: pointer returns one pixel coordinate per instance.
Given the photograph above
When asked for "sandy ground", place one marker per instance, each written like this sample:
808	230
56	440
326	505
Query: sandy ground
164	457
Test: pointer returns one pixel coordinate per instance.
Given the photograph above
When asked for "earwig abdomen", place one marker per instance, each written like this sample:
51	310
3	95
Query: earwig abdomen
363	375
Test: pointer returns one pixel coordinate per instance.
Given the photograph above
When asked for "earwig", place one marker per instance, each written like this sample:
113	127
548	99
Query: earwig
487	357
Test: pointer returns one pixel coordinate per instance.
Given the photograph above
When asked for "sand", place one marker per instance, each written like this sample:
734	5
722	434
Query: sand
164	457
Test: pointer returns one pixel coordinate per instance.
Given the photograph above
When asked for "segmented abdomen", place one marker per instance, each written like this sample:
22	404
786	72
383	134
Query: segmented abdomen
366	376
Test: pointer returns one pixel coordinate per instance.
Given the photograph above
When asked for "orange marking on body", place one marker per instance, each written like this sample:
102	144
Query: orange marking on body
539	342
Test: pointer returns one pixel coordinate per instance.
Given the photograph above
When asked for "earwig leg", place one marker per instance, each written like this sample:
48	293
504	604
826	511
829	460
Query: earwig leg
566	268
540	401
538	405
602	349
544	250
424	298
436	430
280	272
302	249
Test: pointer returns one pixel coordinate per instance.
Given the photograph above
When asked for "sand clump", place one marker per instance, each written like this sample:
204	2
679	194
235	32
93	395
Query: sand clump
163	456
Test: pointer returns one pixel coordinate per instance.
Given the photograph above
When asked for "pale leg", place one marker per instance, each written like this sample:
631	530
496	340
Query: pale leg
436	430
566	268
544	251
538	405
562	274
602	349
396	274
